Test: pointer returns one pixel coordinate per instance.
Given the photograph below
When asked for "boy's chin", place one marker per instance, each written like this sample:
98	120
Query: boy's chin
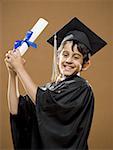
69	74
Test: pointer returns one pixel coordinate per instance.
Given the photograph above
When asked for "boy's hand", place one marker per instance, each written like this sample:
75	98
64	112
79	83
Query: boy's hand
14	61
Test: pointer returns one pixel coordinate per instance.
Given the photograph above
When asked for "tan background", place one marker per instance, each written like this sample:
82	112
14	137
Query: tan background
17	16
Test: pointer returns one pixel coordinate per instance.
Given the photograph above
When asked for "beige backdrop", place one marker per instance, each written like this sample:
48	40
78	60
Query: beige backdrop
20	15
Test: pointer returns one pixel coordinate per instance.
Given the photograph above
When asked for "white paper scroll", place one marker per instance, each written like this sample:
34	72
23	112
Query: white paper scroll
37	29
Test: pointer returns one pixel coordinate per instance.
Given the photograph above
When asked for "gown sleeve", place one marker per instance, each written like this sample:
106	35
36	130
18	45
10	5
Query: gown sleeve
65	114
22	122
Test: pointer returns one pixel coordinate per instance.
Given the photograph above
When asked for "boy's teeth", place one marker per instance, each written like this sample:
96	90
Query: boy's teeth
68	67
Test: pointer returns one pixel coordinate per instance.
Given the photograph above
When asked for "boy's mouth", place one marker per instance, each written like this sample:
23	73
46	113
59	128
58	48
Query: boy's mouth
68	67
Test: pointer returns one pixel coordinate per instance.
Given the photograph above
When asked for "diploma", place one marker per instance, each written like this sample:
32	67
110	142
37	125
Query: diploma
36	30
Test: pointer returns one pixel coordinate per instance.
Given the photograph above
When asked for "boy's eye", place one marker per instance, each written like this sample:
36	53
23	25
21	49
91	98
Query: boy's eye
65	54
76	57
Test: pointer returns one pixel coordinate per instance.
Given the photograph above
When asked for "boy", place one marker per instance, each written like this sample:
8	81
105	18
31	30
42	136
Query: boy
59	114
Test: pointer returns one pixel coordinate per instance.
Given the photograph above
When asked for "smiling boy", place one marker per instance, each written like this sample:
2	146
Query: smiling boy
56	116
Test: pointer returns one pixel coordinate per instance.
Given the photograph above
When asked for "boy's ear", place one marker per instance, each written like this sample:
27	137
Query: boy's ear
86	65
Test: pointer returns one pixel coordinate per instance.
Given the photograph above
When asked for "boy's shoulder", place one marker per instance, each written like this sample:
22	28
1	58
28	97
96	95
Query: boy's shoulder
82	81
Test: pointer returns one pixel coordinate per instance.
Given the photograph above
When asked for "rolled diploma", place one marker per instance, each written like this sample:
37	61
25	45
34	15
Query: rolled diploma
37	29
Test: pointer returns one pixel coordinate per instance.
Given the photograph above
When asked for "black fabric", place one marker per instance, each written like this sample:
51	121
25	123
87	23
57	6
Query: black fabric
24	127
60	120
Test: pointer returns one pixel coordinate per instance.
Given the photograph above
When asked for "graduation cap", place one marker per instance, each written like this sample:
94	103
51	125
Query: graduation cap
76	30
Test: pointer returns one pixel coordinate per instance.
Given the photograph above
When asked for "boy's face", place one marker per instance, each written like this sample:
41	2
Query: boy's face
70	61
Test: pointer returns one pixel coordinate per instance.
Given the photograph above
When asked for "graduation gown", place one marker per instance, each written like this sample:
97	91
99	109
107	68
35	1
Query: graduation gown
61	118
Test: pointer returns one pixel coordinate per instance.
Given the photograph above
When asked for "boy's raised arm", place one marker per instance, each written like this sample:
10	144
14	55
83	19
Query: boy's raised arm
15	60
12	93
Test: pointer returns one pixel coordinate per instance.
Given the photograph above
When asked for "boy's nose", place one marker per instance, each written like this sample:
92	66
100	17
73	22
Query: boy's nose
69	60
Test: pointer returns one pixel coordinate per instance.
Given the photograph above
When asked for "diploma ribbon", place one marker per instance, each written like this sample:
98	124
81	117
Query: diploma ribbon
26	40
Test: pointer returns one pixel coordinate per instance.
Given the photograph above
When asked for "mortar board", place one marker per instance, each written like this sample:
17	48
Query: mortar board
76	30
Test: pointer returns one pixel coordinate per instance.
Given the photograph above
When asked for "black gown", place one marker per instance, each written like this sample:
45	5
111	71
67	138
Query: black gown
60	120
